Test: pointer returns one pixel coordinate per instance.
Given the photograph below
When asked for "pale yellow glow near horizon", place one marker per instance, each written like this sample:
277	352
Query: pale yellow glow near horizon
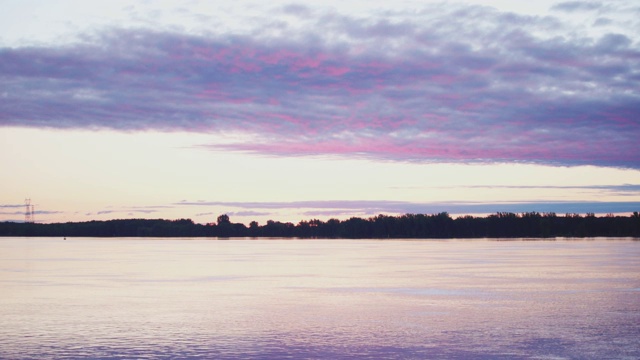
87	172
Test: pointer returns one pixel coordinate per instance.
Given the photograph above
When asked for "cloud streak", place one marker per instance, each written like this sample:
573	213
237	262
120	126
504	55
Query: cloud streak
373	207
130	210
445	84
12	206
621	189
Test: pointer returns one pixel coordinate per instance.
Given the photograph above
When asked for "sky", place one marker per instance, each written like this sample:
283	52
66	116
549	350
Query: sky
291	110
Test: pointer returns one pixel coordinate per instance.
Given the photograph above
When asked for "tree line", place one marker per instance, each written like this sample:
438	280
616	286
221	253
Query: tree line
442	225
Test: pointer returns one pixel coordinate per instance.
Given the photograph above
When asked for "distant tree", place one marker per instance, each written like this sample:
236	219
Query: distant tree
223	219
502	224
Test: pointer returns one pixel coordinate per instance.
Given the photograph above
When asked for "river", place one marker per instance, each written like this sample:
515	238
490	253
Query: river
124	298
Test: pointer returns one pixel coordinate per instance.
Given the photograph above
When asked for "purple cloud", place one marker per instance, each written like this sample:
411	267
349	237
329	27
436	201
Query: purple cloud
132	210
573	6
248	213
11	213
37	212
235	213
339	213
454	84
19	209
372	207
625	188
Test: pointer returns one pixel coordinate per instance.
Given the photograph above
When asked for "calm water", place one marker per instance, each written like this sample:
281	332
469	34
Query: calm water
274	299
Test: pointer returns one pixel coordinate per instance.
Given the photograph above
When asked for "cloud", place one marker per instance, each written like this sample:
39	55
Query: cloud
444	84
11	212
323	204
207	213
618	190
47	212
372	207
16	206
12	207
36	213
573	6
235	213
625	188
342	213
131	210
248	213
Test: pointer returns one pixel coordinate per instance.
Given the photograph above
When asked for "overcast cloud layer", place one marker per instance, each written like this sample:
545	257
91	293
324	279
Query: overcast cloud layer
443	84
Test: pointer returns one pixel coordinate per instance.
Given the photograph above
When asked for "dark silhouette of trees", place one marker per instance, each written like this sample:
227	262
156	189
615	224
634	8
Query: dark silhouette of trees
223	219
442	225
224	227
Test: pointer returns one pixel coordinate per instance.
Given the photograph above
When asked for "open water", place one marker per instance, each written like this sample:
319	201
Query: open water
306	299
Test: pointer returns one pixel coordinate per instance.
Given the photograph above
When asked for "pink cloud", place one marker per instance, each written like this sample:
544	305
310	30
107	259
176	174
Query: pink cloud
445	85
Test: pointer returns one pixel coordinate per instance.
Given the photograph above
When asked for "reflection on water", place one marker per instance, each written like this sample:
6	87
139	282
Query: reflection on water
188	298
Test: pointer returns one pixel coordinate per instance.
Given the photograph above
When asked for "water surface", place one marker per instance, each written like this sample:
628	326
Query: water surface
273	299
